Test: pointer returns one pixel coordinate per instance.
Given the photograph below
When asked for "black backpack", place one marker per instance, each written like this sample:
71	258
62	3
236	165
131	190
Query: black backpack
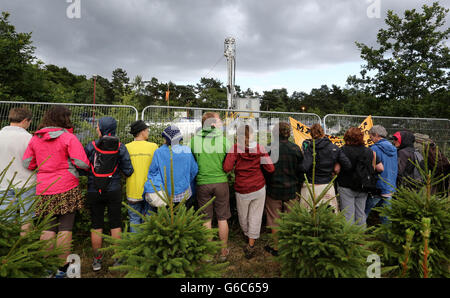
106	161
364	176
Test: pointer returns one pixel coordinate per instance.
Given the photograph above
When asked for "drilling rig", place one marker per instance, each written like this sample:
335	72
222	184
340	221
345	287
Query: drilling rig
230	54
233	102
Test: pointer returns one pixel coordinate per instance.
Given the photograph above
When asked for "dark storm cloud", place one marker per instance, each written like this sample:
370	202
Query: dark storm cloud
181	40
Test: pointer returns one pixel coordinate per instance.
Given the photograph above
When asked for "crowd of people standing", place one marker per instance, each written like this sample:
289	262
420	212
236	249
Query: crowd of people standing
200	168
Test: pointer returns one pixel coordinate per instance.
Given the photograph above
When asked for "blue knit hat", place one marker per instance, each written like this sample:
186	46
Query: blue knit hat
172	135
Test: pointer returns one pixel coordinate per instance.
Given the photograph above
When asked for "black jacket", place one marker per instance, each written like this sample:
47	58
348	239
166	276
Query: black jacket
125	167
288	176
327	154
345	177
108	126
405	155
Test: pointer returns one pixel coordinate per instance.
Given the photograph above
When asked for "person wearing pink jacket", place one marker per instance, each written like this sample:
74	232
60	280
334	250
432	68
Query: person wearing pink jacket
57	153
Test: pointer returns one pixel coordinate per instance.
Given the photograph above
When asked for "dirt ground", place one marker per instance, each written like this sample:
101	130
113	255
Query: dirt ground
262	265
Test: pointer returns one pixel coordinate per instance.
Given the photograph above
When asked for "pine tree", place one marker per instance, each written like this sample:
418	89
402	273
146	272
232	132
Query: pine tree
426	251
170	243
316	242
25	255
409	206
407	248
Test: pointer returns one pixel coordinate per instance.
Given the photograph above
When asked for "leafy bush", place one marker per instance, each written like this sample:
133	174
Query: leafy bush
316	242
154	132
407	210
26	255
170	243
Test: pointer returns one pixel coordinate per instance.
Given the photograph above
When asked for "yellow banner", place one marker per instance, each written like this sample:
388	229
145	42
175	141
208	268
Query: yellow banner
336	140
365	126
301	131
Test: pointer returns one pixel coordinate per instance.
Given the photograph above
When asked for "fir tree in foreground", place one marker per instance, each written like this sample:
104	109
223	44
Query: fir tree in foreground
410	206
316	242
170	243
323	245
25	255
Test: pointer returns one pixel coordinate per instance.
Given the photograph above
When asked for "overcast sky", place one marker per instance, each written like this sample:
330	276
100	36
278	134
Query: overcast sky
296	44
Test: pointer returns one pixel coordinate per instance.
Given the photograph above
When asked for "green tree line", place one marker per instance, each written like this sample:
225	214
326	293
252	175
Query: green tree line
407	74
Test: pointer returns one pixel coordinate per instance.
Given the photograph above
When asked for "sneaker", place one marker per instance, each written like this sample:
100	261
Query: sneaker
249	251
97	263
60	274
271	250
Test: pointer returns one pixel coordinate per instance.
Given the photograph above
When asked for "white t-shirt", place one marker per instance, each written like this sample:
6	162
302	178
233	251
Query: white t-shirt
13	143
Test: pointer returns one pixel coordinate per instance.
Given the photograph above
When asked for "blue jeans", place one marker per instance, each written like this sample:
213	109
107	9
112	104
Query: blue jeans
143	208
25	201
377	201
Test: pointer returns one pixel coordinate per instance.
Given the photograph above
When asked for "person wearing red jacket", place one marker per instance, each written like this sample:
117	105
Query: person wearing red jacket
58	154
247	157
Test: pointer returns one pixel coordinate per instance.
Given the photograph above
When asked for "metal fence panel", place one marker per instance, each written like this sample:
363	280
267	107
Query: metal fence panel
188	119
437	129
84	117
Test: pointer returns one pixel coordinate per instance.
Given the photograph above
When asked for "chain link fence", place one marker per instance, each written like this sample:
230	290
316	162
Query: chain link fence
437	129
84	117
189	119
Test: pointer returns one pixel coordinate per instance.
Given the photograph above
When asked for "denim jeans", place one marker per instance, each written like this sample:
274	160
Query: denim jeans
377	201
143	208
25	203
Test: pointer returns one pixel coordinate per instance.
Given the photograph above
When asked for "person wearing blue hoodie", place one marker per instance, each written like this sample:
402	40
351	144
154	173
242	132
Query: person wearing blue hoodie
387	153
97	199
185	170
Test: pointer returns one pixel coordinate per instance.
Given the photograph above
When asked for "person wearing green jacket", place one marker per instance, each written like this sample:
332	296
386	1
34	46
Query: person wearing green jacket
209	147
